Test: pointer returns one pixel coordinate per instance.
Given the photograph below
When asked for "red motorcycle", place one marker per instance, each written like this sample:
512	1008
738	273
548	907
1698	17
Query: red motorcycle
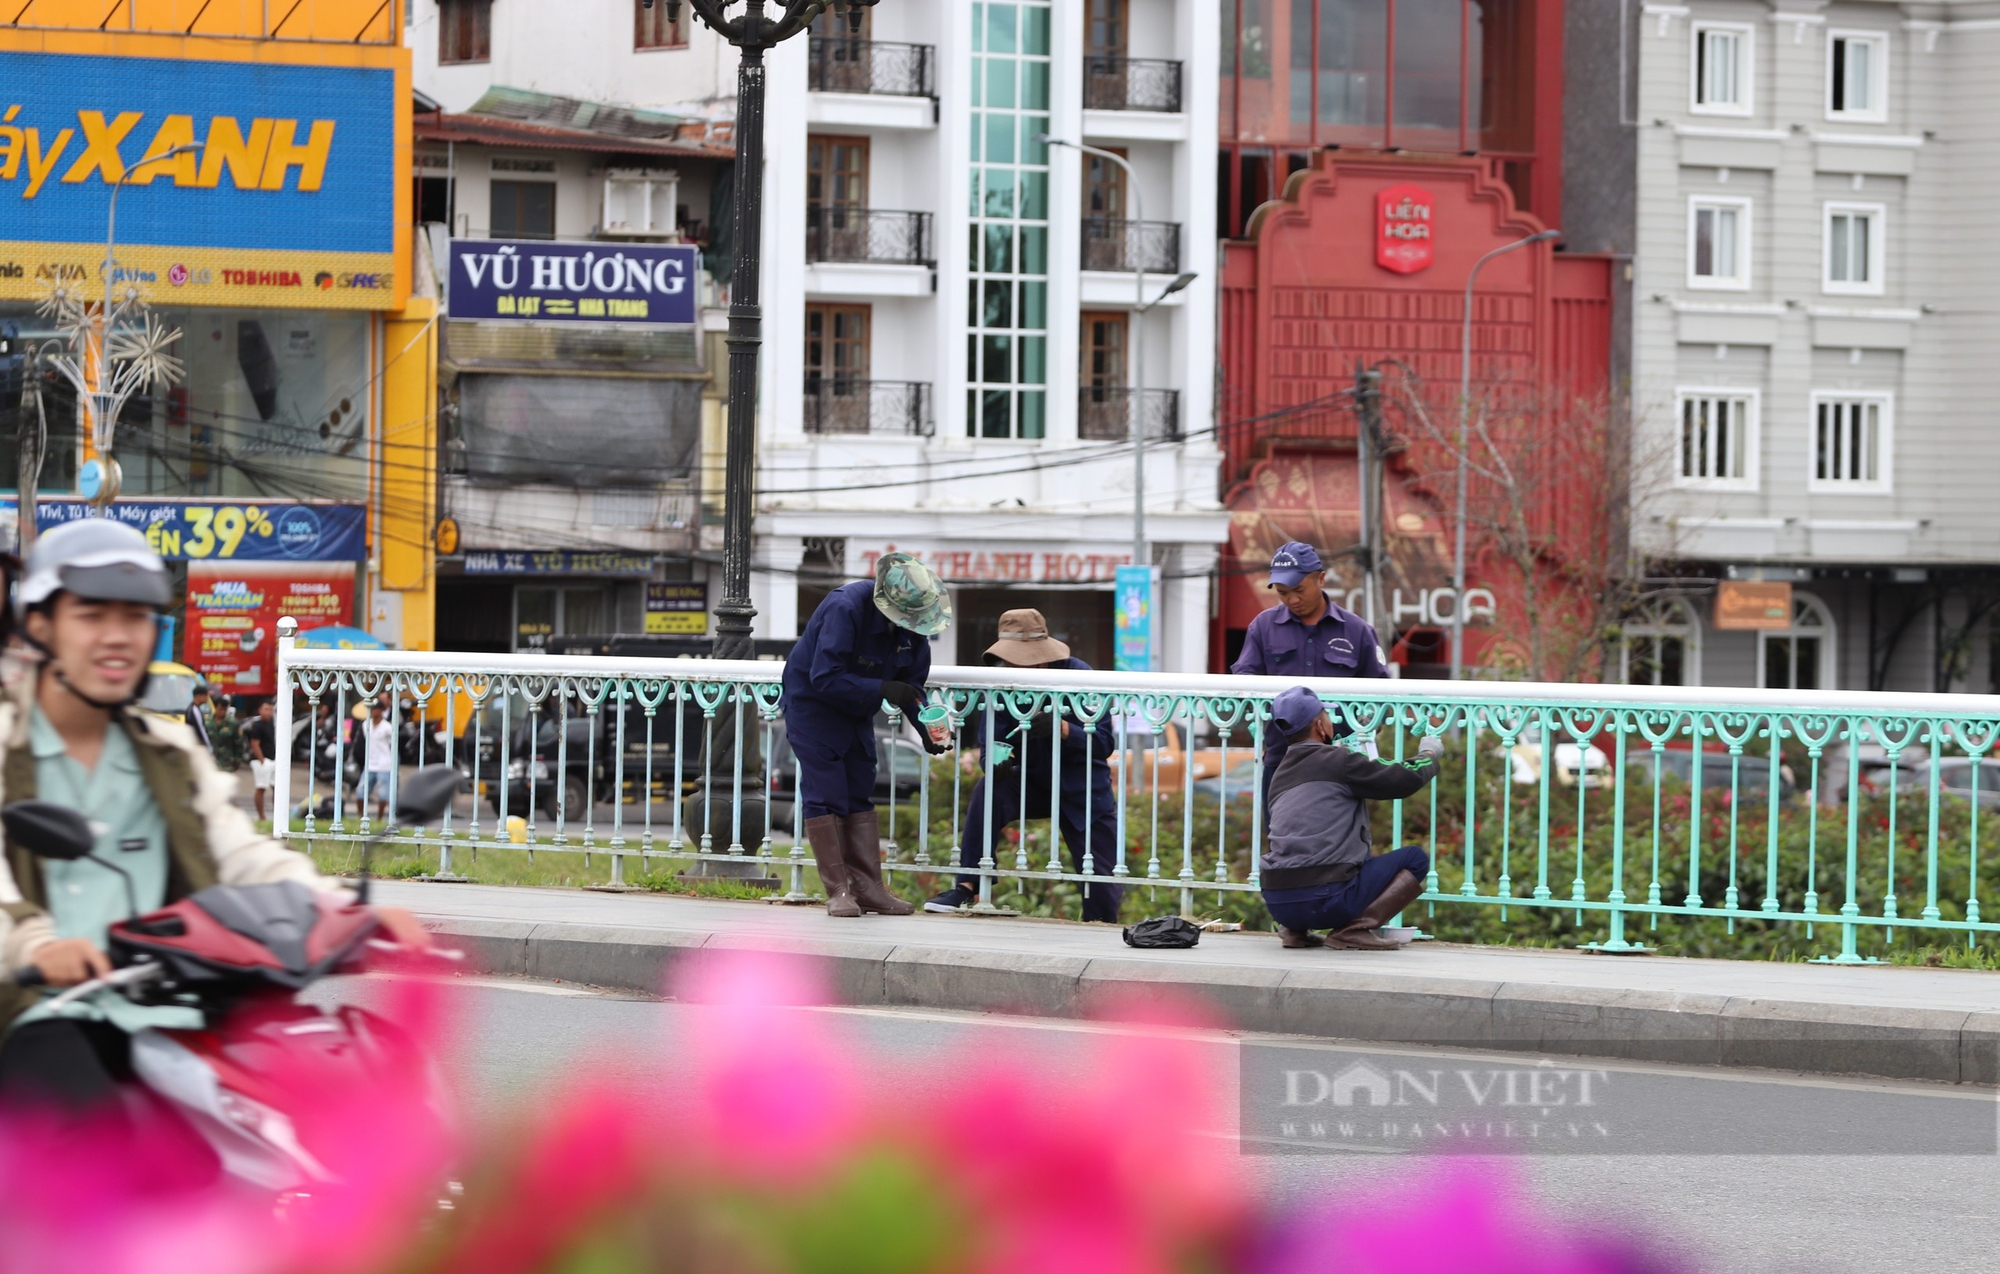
253	1078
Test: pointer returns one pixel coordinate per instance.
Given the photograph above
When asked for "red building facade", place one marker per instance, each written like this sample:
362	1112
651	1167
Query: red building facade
1362	264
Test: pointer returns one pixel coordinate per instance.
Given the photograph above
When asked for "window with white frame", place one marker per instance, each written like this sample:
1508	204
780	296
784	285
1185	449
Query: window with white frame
1851	442
1800	657
1722	69
1854	249
639	203
1662	645
1718	243
1718	438
1857	75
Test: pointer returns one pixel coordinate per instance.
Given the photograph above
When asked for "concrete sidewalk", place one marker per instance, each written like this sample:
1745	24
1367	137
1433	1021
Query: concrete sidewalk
1906	1023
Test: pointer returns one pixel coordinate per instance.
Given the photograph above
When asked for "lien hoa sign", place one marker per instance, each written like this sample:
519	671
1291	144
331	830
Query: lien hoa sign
1403	234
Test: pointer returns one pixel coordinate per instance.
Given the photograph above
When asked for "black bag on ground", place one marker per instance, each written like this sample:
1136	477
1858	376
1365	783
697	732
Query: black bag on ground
1163	931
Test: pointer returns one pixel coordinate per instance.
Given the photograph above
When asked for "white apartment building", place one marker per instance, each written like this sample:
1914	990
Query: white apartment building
1814	386
949	362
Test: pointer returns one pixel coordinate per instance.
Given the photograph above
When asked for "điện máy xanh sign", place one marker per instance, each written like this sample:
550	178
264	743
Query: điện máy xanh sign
285	197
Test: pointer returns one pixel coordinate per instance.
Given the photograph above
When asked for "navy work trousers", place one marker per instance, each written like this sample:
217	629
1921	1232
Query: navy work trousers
836	766
1100	902
1335	906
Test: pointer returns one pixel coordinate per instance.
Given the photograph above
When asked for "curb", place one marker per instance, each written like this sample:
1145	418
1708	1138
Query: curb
1884	1041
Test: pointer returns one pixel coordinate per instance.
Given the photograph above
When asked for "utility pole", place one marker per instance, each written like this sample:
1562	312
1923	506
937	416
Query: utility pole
1368	432
752	33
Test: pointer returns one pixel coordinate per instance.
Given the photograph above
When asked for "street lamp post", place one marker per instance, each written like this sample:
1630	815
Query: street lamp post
1140	557
1464	434
105	402
752	33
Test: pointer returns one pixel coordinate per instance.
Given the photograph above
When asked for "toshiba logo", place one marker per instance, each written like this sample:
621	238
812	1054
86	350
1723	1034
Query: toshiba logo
262	278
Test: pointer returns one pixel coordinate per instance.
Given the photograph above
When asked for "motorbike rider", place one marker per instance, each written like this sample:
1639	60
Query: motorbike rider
88	604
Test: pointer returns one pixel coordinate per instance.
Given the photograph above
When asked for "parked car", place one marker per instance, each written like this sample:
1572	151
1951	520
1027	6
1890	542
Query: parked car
1955	778
1752	776
535	751
1590	764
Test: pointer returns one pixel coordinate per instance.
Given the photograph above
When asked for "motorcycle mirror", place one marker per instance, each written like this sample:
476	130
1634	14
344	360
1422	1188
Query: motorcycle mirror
48	830
426	794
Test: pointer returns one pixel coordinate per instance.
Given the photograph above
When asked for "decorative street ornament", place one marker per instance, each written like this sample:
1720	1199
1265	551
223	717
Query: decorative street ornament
1403	234
115	348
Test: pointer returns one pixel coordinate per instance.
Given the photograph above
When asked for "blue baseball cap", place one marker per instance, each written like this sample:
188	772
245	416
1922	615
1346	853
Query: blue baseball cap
1295	709
1293	562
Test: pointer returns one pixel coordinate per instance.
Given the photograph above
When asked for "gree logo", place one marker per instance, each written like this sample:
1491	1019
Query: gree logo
261	158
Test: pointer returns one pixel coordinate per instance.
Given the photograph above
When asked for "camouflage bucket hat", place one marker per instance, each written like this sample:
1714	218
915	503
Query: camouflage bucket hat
911	594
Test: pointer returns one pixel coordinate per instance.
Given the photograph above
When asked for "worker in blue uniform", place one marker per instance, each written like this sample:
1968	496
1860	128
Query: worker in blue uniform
867	644
1086	799
1309	635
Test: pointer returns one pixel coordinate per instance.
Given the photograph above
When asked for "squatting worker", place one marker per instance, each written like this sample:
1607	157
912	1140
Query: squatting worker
1319	870
1310	635
1085	780
69	733
866	644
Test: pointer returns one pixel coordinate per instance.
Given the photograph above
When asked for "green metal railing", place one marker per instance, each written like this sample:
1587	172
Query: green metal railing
1593	812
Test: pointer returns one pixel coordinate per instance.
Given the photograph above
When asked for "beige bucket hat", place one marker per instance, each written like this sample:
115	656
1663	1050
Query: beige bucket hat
1025	641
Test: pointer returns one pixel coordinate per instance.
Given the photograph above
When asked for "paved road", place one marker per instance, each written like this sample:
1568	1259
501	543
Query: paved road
1740	1168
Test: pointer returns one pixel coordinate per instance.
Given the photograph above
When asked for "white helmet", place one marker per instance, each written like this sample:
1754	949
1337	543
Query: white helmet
94	558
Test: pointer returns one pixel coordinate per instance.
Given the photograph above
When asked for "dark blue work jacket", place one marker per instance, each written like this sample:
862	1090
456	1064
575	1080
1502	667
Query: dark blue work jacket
1278	644
1086	752
834	675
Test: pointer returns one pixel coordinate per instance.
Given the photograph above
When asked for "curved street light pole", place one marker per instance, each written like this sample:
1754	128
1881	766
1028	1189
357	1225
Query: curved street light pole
752	33
1464	434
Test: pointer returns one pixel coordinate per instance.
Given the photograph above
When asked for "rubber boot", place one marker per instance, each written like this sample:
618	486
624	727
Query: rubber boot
824	835
864	866
1360	935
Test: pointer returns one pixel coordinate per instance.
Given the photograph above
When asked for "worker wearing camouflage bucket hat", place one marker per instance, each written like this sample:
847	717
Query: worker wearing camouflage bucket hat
867	645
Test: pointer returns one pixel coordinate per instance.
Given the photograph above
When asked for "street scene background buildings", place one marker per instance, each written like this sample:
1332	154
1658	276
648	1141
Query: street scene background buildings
1724	430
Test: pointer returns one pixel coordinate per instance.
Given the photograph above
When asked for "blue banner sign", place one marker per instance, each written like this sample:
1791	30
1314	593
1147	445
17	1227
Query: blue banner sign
1134	622
284	192
556	562
572	282
216	530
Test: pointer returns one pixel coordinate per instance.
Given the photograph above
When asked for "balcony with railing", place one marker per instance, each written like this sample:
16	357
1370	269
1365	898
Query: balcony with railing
1104	413
838	405
1111	244
871	235
1131	84
849	64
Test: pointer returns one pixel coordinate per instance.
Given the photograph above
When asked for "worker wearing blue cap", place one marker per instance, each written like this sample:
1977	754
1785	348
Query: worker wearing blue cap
1310	635
1319	869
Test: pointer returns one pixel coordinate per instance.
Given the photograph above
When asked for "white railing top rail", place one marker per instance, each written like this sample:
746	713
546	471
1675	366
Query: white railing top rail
1871	703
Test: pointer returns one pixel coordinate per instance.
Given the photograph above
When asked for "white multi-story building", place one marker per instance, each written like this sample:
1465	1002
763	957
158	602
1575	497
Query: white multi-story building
949	360
1813	376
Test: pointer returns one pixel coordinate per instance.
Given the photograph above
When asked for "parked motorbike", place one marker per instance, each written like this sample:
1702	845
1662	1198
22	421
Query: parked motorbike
239	954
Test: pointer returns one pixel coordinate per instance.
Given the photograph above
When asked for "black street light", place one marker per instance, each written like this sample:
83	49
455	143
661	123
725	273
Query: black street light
752	33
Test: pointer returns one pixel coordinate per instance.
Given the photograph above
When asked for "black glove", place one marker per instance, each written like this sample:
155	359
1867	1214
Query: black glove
907	698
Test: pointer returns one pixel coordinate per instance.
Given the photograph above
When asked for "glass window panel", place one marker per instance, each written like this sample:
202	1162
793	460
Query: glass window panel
1353	47
999	192
1000	250
1035	30
972	413
977	133
998	310
1034	250
996	416
1034	414
1032	150
978	30
1860	76
1837	232
1725	243
1034	360
1000	27
1427	63
999	139
1034	196
1704	242
999	83
998	359
1034	305
1035	86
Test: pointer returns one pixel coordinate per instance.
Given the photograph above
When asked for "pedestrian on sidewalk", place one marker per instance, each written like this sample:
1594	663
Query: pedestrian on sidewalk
261	738
197	714
1319	870
867	644
378	742
1307	635
1085	779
